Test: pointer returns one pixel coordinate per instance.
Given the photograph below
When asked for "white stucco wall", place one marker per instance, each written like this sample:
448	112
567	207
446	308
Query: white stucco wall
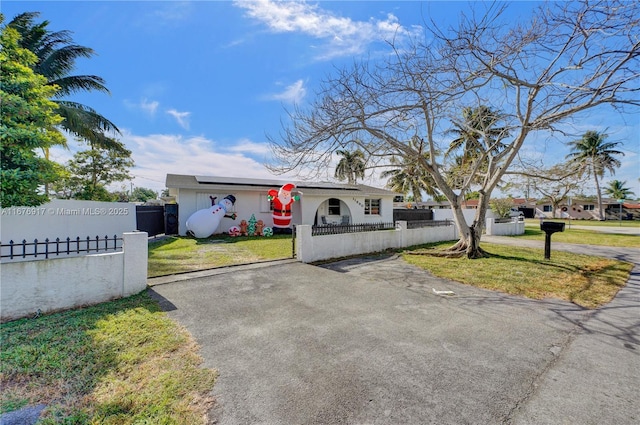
247	203
303	211
424	235
354	208
62	218
57	284
447	214
515	227
317	248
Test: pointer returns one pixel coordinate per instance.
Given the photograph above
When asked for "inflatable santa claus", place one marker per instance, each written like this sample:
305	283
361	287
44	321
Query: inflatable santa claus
282	201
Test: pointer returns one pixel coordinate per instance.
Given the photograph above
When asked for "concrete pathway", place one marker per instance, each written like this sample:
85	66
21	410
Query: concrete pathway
596	380
368	341
602	229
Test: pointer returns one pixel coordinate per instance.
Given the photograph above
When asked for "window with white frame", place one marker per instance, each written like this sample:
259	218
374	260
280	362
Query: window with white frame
372	207
265	205
589	207
547	208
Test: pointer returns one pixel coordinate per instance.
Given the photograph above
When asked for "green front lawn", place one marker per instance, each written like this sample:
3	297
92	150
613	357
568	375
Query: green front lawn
183	254
121	362
584	280
585	237
590	223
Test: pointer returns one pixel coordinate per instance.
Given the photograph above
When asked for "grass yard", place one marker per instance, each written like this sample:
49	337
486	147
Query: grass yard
184	254
585	237
121	362
584	280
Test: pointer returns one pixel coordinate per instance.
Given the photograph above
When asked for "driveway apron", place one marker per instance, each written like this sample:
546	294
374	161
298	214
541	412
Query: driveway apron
595	381
369	341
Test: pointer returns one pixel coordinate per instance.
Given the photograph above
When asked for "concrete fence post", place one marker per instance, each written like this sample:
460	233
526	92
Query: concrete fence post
304	243
135	247
401	226
490	223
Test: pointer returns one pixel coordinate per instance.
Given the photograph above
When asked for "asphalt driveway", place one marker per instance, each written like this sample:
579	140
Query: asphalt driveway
368	341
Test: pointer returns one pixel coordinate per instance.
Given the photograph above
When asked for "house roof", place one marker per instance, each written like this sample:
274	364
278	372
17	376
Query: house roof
181	181
630	205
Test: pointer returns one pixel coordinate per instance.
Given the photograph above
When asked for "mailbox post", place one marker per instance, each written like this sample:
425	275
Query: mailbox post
549	228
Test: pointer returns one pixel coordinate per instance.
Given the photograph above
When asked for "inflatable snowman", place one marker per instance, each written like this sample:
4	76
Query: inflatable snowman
203	223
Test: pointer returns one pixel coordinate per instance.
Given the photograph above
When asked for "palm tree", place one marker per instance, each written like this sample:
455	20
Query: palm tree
617	190
56	60
593	155
409	176
476	134
351	166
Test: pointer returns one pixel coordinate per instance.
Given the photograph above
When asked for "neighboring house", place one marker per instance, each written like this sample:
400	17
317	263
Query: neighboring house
432	205
585	209
572	208
629	210
331	202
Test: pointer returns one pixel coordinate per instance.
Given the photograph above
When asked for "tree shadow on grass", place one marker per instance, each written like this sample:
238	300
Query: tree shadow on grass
617	322
55	359
541	262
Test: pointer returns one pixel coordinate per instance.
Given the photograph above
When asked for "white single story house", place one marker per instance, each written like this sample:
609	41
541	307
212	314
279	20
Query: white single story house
333	203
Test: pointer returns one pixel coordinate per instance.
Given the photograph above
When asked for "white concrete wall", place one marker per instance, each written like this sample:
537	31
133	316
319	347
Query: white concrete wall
447	214
303	211
247	203
317	248
424	235
352	206
58	284
515	227
62	218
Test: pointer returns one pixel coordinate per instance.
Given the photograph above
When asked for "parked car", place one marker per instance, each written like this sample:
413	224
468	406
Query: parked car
516	213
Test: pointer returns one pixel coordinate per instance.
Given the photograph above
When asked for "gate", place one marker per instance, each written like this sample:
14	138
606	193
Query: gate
412	215
293	242
157	219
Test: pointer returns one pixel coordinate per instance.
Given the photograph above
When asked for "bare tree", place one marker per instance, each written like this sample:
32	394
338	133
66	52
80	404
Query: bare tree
554	184
565	60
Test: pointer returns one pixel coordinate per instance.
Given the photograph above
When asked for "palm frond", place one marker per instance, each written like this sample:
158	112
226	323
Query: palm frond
77	83
77	113
61	61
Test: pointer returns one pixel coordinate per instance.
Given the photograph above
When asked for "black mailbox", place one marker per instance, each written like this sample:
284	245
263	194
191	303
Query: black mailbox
549	228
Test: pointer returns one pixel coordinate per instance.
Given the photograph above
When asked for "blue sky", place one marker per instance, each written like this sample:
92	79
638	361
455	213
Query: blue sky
196	85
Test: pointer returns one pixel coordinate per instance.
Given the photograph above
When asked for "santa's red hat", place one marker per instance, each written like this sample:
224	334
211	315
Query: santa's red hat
288	187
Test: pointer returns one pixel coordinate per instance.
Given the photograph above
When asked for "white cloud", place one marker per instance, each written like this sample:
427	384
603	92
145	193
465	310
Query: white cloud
182	118
343	35
171	13
149	107
146	106
157	155
249	147
293	93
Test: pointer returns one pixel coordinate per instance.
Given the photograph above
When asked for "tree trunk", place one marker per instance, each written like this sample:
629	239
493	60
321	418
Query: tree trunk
600	215
473	248
469	243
